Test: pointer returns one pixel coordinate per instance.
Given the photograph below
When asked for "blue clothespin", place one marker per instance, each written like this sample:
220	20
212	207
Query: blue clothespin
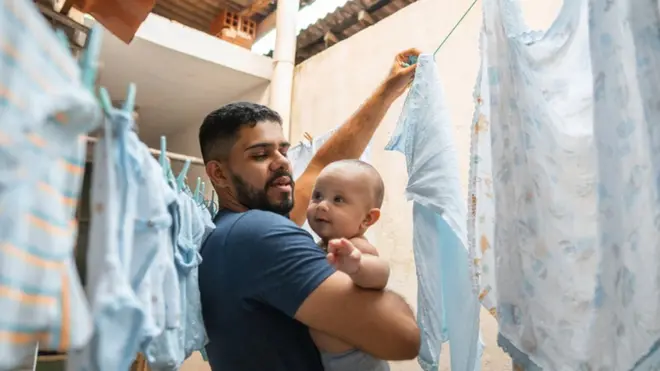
162	158
89	60
106	103
212	208
129	103
199	184
412	59
181	179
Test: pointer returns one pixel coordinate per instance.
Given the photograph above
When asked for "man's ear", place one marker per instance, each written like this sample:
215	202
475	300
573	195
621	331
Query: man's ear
217	173
372	217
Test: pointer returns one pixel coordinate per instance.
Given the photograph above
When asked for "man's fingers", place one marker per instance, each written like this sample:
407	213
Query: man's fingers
404	55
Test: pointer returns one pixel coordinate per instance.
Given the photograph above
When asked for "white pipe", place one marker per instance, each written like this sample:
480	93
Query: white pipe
155	152
284	55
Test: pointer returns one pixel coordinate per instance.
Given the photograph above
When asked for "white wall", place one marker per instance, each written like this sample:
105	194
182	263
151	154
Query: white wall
331	85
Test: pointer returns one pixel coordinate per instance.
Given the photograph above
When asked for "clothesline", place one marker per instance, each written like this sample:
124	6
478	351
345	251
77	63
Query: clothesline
170	155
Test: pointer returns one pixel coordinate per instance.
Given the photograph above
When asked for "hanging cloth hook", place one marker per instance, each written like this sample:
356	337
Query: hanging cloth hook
162	157
106	103
201	192
197	187
181	179
89	60
129	103
455	26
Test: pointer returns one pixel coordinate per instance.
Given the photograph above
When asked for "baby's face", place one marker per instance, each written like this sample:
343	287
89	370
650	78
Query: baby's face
339	206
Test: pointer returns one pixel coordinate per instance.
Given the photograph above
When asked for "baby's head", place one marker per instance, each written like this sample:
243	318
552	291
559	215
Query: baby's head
346	200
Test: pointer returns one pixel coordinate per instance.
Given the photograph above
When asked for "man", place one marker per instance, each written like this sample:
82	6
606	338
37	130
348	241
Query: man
263	281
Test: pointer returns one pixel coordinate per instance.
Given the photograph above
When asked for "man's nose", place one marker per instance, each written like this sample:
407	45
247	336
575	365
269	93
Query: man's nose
281	162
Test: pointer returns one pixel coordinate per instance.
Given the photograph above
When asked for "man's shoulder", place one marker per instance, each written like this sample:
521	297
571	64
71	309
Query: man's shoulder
252	225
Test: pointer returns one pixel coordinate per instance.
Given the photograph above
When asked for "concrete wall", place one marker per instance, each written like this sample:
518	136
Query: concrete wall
331	85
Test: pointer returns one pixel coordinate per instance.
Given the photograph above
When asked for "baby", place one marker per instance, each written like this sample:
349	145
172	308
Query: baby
346	201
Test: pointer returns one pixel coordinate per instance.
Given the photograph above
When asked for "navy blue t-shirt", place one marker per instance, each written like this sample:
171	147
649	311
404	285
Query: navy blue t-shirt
258	268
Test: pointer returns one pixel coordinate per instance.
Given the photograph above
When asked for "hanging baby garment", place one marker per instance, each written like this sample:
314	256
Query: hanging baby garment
447	307
119	317
44	108
302	154
169	350
575	161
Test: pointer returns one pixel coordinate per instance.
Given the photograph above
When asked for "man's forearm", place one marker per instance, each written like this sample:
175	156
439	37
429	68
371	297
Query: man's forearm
348	142
353	137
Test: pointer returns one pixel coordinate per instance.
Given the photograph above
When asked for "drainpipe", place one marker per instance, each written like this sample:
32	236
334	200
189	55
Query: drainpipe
284	55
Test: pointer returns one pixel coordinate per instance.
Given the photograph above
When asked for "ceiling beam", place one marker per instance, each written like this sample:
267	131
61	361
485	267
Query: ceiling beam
256	7
330	39
365	18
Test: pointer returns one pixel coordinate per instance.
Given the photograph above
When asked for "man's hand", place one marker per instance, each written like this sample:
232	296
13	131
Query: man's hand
402	73
344	256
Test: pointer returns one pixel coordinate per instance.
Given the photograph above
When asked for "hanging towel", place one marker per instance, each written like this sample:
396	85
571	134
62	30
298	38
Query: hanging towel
447	307
575	161
302	154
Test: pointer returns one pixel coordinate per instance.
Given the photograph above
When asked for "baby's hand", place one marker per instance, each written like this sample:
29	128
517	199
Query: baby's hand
344	255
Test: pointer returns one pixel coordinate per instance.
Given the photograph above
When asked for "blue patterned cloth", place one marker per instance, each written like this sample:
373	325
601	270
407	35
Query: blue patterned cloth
572	116
447	307
44	110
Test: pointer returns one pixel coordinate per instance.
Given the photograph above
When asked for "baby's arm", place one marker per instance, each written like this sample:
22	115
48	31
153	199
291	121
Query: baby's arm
370	271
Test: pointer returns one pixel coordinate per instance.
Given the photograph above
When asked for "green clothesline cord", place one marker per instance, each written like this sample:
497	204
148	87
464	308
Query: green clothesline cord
455	26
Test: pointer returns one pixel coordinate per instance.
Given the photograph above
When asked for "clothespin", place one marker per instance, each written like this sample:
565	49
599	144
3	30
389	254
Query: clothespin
412	59
212	204
308	136
106	103
129	103
201	192
89	60
162	158
197	187
181	179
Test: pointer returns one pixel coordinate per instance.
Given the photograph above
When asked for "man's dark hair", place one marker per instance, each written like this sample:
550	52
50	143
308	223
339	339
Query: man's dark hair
219	130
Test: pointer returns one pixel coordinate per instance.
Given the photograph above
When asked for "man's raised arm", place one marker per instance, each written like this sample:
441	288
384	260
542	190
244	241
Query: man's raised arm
352	138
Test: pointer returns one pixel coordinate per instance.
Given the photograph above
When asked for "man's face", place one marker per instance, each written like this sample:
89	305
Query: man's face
260	172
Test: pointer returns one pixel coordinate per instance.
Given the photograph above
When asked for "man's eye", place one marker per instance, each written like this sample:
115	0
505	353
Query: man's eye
260	157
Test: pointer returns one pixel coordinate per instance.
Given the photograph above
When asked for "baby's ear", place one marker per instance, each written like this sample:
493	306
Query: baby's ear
372	217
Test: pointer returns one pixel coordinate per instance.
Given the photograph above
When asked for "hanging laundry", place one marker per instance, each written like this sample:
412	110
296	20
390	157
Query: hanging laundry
481	216
447	307
44	108
302	154
199	226
193	225
573	117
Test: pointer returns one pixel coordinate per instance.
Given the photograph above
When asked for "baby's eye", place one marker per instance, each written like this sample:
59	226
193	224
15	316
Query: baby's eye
338	199
316	196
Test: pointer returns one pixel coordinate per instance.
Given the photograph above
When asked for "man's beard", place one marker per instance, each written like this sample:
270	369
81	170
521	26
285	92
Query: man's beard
254	198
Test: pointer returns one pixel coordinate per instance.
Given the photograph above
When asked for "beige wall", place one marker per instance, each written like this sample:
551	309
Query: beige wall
331	85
